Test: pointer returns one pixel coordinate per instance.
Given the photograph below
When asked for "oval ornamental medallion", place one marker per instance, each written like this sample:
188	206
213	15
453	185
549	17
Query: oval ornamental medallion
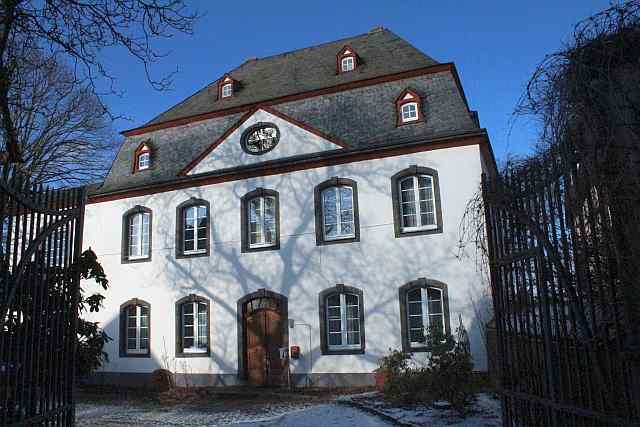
260	138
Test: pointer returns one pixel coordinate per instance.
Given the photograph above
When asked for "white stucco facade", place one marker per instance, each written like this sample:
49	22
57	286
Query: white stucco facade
378	264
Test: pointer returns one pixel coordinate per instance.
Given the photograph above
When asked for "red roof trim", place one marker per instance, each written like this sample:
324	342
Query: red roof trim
351	157
243	119
432	69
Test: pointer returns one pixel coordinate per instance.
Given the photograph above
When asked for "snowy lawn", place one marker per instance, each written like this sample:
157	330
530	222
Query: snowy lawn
485	411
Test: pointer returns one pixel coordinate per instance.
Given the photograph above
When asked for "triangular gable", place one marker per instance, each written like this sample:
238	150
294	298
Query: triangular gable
295	138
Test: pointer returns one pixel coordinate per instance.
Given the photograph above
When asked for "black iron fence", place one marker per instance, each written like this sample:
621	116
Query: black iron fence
40	241
564	357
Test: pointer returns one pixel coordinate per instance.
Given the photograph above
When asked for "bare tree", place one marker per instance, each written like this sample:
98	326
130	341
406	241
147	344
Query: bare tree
76	32
62	128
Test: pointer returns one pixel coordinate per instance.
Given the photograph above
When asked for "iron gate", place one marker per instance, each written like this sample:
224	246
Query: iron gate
40	243
558	299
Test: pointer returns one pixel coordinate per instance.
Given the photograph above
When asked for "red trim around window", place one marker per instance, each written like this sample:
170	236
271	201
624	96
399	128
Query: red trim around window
406	97
225	80
144	147
346	52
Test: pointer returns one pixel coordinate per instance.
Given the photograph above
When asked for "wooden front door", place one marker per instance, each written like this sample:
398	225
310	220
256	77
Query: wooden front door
263	327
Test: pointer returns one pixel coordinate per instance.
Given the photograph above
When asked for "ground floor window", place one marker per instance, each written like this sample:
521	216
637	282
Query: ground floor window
135	326
424	307
342	320
192	326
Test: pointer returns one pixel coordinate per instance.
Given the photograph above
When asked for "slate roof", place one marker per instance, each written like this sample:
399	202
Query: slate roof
360	117
381	52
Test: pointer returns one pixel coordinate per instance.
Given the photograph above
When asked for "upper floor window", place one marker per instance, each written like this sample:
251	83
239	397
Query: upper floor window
136	235
260	138
342	320
424	309
416	201
135	328
226	87
408	107
260	220
336	206
144	160
142	157
192	328
347	60
347	64
192	228
227	90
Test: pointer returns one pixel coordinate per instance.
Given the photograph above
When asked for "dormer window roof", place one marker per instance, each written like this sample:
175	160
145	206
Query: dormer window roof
142	157
408	108
347	60
226	87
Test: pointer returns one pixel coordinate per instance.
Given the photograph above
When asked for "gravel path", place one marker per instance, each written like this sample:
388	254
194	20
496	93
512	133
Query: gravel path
285	415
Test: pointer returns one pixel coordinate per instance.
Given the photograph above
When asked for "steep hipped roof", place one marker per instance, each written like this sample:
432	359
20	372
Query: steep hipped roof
380	52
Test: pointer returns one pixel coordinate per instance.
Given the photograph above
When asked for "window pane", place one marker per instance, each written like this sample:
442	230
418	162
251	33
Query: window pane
188	331
131	344
416	335
346	198
437	322
334	325
187	308
333	300
188	245
335	339
415	308
434	294
188	342
353	338
144	344
415	322
351	299
409	221
330	230
406	184
334	312
144	333
353	325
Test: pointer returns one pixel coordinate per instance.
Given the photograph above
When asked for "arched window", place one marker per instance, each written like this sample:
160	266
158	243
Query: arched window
192	326
336	211
192	228
136	235
341	320
135	328
424	306
260	224
142	157
408	107
416	201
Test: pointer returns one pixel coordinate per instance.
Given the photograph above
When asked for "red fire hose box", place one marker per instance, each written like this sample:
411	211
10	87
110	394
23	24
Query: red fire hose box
295	352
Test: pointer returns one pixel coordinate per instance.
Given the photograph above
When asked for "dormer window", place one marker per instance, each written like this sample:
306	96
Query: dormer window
226	87
347	60
227	90
347	64
408	108
142	157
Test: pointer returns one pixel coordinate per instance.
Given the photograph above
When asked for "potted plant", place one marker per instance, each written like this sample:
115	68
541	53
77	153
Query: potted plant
391	365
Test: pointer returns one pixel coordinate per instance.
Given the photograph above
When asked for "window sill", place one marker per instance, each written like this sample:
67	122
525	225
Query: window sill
194	254
418	231
338	240
262	248
192	354
135	355
133	260
342	351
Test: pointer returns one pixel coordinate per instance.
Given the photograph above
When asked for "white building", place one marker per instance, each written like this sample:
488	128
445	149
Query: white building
307	199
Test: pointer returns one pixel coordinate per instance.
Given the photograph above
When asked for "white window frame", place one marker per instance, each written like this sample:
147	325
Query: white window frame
227	90
425	314
261	221
144	160
138	217
138	328
416	201
409	115
343	323
196	327
196	209
348	63
336	189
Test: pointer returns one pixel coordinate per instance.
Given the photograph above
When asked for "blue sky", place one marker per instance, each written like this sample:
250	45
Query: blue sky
495	45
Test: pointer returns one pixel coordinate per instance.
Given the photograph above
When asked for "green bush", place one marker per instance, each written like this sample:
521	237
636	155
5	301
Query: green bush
446	375
394	363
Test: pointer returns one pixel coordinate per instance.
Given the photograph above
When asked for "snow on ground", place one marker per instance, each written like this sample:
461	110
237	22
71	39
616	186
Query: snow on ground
485	411
306	415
